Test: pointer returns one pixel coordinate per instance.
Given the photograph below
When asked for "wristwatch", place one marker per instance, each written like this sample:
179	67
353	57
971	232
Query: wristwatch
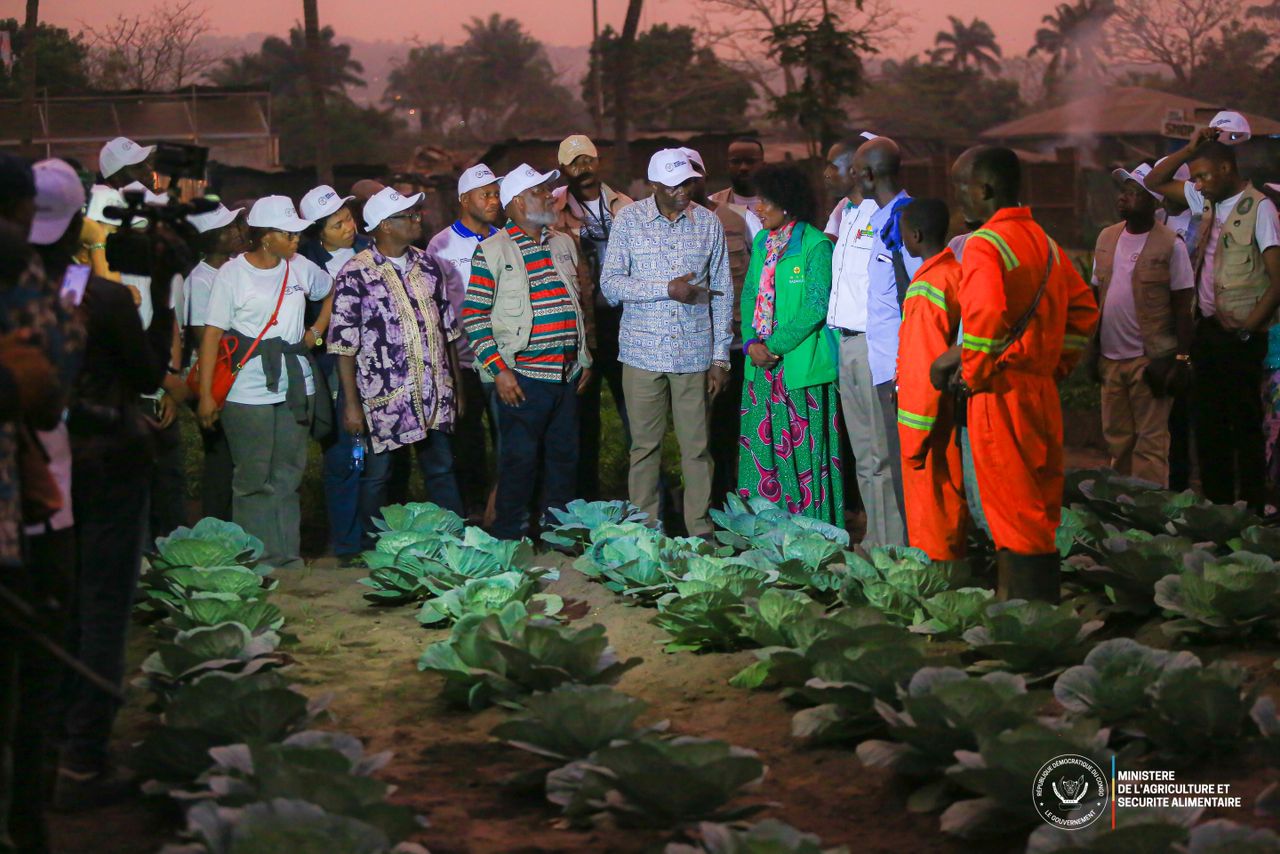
721	364
319	339
1244	335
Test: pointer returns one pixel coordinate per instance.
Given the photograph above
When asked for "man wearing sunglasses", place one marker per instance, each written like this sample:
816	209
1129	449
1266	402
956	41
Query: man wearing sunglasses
392	330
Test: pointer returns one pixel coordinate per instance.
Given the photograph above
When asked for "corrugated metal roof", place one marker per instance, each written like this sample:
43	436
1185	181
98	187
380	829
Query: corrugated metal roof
1117	111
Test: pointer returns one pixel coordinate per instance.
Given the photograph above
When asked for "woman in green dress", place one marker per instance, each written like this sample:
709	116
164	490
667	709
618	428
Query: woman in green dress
789	444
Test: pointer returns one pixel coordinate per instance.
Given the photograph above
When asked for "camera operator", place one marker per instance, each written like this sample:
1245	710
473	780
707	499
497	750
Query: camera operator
39	347
127	167
112	459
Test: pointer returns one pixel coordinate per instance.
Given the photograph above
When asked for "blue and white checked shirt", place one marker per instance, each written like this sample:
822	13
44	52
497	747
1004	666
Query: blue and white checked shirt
884	314
646	251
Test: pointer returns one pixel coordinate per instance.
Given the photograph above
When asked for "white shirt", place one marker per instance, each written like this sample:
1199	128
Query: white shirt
850	280
748	202
1180	224
453	248
338	259
196	291
1266	232
595	207
833	221
1121	335
244	298
401	263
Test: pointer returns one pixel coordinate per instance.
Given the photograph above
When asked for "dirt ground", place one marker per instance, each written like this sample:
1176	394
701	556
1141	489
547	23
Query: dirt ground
448	768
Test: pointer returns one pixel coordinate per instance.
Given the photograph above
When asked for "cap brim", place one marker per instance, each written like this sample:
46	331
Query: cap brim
139	154
675	179
47	229
1122	175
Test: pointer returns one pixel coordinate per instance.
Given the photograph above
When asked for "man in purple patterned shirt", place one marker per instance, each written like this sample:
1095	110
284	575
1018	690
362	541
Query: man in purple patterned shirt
391	330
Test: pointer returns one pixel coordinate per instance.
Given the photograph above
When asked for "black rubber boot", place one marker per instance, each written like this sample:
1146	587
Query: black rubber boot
1036	578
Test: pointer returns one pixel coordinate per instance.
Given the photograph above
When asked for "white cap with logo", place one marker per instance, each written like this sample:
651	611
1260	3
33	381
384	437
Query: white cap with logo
276	212
321	202
671	167
384	203
695	158
1139	174
121	152
475	177
219	217
59	195
1233	126
522	178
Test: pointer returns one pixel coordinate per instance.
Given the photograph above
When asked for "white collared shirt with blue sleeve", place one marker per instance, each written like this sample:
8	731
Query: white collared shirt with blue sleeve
884	313
646	251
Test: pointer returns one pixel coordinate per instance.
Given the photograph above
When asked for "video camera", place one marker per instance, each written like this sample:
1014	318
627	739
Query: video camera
168	241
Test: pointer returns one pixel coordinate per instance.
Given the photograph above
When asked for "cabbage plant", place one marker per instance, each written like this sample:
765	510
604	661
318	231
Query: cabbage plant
896	580
657	782
499	657
210	542
1031	637
1222	597
282	825
421	517
488	596
575	523
228	649
765	837
571	721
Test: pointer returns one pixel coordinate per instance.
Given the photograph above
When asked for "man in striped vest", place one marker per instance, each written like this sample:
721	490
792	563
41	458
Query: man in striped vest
1027	318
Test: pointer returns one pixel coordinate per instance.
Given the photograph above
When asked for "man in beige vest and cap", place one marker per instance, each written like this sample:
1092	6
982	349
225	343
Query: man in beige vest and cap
1237	265
1143	344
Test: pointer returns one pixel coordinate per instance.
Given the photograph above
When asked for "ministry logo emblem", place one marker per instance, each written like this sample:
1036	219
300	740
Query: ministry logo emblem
1070	792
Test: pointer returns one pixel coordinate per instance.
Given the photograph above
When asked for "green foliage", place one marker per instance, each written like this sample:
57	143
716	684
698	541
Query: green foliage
706	620
758	523
945	710
692	88
1227	597
1079	532
1138	830
1259	540
769	620
60	60
209	543
203	610
1113	683
1215	523
575	523
1220	836
488	595
1198	711
1130	568
656	782
571	721
1031	637
495	657
766	837
828	59
281	825
953	612
810	640
421	517
228	649
896	580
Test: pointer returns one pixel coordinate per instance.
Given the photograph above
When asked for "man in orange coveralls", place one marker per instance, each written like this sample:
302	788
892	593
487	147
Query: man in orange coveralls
1014	416
932	477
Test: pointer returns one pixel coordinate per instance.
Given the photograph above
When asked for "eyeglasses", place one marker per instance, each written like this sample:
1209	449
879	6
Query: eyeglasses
415	216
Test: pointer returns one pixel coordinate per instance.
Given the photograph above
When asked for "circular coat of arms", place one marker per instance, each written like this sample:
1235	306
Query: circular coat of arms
1070	791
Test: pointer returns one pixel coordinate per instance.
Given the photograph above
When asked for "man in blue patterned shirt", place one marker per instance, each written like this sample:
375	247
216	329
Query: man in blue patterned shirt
667	265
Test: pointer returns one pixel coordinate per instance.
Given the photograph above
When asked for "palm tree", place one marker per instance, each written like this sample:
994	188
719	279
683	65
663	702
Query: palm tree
315	86
967	45
1074	39
30	28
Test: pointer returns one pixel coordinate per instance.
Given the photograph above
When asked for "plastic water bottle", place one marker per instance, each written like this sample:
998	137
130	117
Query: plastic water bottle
357	454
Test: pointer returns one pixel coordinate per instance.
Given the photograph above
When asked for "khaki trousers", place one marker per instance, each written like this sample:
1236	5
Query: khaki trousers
649	396
1135	423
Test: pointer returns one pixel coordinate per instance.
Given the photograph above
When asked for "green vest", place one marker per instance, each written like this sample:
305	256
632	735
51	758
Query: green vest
1239	274
512	314
814	360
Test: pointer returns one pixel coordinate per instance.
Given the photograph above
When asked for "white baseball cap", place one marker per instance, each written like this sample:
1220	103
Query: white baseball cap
1139	174
219	217
1183	173
671	167
522	178
695	157
475	177
277	212
868	135
321	202
384	203
1235	127
59	195
121	152
148	197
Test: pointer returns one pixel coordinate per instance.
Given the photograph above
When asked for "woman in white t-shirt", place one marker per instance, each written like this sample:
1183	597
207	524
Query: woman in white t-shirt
269	408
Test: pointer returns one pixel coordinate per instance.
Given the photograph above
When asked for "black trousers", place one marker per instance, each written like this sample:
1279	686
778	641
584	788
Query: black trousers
168	508
725	429
605	369
1227	407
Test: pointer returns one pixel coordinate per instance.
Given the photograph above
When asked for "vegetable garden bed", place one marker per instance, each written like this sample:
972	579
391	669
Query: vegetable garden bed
797	617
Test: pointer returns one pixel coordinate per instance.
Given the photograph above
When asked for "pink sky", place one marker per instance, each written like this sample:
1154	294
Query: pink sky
558	22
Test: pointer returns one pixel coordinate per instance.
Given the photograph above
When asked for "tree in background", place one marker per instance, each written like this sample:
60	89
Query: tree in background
1171	33
947	103
686	86
356	134
499	83
315	62
155	51
1075	41
827	62
971	45
60	60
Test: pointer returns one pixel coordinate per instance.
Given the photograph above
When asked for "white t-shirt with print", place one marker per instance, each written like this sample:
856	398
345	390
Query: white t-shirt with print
1266	231
454	250
1121	336
195	293
338	259
243	299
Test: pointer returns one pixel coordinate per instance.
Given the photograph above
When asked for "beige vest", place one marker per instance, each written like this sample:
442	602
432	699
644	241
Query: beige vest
512	315
1239	275
1151	277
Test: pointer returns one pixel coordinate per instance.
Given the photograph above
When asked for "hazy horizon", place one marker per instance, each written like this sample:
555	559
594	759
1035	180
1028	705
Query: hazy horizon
558	22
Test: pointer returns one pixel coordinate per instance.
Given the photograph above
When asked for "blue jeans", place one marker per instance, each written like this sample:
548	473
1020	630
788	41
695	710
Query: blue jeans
342	488
435	461
544	426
